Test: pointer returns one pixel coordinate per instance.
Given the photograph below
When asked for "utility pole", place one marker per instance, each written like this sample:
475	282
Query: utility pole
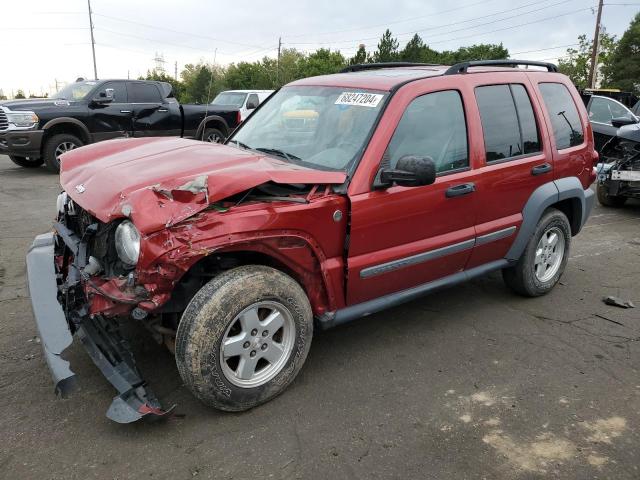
93	42
176	70
594	52
278	63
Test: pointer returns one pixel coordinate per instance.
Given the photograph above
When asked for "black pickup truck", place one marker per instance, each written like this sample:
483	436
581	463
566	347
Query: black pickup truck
37	131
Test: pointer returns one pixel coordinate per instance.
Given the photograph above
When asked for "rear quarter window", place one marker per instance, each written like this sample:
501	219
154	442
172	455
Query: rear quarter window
565	120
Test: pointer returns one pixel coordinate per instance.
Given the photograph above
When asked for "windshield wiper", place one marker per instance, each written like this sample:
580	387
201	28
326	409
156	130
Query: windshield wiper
240	144
280	153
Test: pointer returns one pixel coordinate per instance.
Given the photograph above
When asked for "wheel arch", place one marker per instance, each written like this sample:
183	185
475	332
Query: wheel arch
66	125
567	195
212	121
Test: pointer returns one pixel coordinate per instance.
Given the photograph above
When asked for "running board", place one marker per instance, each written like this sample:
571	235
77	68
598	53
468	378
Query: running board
353	312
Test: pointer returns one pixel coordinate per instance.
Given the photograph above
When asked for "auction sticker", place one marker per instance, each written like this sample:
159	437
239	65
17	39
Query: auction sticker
361	99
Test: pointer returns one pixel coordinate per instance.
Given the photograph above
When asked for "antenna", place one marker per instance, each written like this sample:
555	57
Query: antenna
93	43
206	109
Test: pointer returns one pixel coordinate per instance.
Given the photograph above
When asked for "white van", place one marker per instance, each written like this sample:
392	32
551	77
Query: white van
245	100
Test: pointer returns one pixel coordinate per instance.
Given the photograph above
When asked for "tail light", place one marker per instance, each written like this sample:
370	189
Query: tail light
238	118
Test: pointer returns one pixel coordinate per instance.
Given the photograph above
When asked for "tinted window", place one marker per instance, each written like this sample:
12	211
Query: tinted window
567	128
253	98
433	125
144	93
119	91
508	124
528	126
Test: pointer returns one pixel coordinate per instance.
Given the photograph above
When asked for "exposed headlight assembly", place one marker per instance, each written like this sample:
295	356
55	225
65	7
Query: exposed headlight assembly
128	243
23	119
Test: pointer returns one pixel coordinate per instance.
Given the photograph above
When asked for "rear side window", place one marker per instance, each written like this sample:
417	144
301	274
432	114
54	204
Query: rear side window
508	123
433	125
144	93
565	120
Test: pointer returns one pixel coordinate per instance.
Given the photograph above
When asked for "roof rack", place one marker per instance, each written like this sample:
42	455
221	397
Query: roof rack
464	66
373	66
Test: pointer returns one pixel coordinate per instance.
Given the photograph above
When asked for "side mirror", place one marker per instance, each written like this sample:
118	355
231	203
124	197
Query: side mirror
622	121
251	105
104	97
411	171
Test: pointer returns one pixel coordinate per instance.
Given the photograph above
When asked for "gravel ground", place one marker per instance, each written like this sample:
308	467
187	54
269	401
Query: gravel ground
472	382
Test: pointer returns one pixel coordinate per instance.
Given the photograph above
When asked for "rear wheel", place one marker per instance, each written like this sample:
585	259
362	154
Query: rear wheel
609	200
244	337
213	135
26	162
544	259
57	145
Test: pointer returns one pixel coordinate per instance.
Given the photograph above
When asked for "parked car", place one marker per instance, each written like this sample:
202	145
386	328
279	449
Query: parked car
245	100
607	116
37	131
619	169
409	179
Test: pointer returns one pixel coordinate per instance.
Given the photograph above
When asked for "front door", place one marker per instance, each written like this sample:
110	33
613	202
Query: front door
402	237
111	120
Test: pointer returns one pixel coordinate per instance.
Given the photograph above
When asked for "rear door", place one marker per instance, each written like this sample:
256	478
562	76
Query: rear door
152	115
517	160
111	120
402	237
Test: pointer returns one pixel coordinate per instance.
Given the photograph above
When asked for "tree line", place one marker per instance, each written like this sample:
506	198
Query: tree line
200	83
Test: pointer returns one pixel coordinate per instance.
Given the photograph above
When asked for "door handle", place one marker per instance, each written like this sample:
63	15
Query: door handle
125	111
458	190
163	110
540	169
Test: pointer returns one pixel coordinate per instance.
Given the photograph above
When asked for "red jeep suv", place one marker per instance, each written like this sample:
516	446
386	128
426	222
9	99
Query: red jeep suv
340	196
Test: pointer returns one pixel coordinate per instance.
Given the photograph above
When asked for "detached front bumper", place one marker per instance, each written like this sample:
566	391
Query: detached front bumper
108	350
22	143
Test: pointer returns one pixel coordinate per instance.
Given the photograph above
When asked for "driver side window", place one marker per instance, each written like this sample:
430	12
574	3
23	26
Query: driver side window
433	125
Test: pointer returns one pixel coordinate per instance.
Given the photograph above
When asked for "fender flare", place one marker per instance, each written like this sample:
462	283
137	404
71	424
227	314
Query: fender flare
86	136
542	198
211	118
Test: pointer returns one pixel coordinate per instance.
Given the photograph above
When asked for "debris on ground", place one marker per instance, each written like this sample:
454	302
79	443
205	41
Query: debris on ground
618	302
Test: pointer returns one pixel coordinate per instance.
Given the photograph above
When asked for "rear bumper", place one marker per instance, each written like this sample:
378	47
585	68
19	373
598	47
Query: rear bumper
108	350
22	143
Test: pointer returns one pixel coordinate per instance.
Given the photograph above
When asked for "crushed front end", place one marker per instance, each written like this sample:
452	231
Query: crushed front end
619	173
79	287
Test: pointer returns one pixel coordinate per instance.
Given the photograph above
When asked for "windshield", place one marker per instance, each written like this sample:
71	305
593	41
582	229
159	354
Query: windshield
75	91
319	127
235	99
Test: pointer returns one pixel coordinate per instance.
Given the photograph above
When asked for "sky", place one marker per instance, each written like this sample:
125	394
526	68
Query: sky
45	43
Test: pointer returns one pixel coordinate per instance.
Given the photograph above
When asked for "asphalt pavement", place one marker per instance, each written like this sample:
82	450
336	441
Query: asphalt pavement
470	383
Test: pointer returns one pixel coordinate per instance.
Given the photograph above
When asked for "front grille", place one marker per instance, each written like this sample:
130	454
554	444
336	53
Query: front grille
4	123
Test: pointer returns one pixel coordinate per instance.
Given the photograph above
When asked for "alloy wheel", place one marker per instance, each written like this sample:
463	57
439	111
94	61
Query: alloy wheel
549	254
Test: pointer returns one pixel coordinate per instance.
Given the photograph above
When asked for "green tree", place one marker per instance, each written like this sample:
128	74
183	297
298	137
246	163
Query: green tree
321	62
245	75
202	83
20	94
387	48
482	51
417	51
176	85
624	65
577	62
361	56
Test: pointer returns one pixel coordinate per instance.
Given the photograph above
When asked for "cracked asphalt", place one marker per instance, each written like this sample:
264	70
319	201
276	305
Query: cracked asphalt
469	383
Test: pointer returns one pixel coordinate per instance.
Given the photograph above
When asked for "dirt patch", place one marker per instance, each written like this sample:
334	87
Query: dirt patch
605	429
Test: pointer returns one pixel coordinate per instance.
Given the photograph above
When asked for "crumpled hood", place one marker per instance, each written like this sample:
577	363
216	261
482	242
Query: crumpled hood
158	182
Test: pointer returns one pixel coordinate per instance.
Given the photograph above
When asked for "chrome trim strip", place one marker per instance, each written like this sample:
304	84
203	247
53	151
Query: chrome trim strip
415	259
497	235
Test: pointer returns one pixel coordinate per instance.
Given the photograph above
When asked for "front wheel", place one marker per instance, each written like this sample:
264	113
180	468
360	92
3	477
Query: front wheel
609	200
544	259
26	162
244	337
57	145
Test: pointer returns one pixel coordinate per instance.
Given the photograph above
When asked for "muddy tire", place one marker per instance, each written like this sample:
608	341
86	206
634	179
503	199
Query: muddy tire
26	162
56	146
244	337
607	200
544	259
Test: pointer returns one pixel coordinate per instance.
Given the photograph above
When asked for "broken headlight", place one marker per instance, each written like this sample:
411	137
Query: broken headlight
128	243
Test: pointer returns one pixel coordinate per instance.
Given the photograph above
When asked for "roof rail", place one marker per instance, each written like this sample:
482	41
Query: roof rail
373	66
464	66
